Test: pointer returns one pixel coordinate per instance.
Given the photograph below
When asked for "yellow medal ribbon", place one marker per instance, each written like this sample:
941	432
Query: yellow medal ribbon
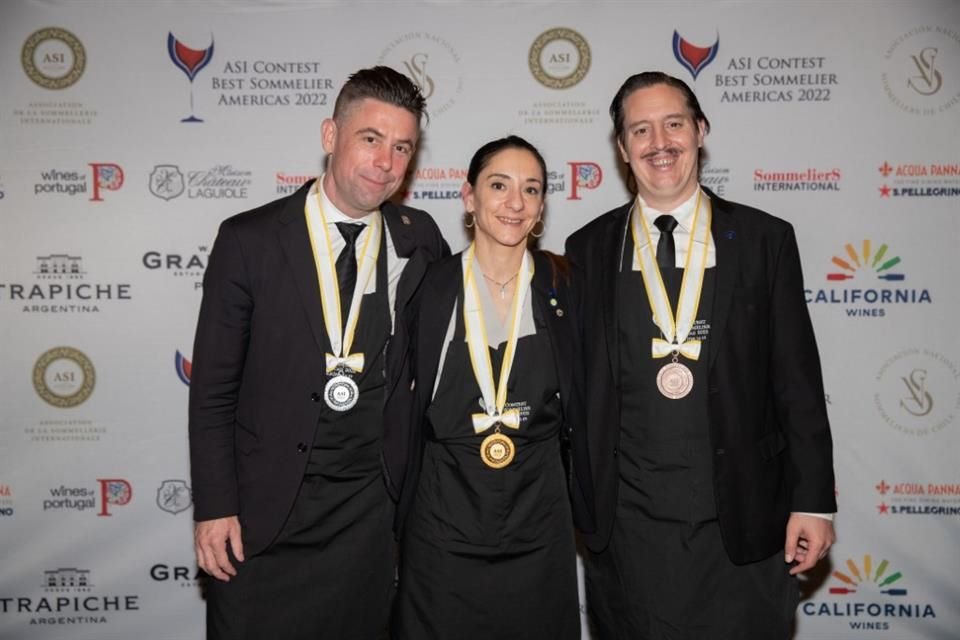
675	329
477	345
341	337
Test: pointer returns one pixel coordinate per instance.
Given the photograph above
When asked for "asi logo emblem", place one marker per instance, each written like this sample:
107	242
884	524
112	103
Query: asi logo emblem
559	58
694	58
184	368
64	377
53	58
173	496
191	62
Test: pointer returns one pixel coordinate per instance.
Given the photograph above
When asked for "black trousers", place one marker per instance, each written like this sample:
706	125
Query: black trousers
330	573
674	581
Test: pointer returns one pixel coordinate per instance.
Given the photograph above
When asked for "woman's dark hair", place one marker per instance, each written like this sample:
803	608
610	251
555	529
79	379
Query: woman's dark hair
485	153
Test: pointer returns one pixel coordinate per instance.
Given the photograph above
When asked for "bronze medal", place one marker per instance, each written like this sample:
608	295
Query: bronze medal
497	450
674	380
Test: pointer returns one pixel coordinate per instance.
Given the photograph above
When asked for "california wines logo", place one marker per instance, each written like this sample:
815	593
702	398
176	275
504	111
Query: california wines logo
871	272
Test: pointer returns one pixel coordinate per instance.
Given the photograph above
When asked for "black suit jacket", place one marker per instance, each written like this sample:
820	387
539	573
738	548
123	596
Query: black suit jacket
258	359
768	423
425	325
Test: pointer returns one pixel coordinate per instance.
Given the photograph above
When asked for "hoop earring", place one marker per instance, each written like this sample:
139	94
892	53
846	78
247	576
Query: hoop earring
543	228
472	219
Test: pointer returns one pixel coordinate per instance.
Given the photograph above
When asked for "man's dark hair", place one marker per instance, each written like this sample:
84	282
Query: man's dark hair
383	84
649	79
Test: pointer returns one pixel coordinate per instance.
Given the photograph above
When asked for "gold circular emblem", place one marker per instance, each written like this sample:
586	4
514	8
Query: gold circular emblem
63	377
62	58
559	58
674	380
497	450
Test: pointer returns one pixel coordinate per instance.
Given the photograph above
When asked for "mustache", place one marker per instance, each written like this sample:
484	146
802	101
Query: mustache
674	151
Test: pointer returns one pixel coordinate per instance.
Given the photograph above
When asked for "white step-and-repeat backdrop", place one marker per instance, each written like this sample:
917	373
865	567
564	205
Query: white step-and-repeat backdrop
130	130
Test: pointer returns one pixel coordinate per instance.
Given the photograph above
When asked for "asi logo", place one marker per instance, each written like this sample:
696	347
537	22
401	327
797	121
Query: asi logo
64	377
191	62
184	368
559	58
694	58
53	58
869	596
173	496
869	270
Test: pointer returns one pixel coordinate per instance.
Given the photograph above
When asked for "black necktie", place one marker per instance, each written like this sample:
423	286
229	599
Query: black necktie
347	266
666	250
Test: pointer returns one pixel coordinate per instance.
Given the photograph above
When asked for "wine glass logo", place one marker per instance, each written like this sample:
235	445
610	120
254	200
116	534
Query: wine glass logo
190	61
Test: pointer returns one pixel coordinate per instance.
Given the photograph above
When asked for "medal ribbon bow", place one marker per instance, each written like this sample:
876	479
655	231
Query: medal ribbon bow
354	362
674	329
341	337
477	344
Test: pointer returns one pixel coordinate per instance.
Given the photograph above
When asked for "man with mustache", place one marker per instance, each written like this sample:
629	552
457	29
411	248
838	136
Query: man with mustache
709	441
300	296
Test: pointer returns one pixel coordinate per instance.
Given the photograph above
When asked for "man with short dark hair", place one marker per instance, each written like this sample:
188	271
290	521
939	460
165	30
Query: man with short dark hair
709	441
293	521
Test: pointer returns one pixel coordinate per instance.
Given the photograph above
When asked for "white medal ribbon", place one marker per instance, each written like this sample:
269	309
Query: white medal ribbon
477	345
341	337
675	329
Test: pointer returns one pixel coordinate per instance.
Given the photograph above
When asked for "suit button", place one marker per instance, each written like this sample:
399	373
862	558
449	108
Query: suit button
315	397
616	452
301	448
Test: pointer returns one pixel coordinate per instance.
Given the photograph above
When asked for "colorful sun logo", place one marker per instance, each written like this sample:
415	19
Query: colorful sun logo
879	579
878	262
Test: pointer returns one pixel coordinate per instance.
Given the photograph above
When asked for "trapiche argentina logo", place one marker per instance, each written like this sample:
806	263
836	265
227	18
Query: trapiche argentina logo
66	597
867	280
60	284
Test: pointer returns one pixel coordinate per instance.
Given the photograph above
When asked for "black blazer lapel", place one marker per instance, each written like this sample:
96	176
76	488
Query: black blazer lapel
295	241
406	245
559	328
432	331
612	254
725	232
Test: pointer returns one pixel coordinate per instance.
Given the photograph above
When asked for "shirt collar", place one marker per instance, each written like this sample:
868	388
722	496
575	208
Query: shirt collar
683	213
330	210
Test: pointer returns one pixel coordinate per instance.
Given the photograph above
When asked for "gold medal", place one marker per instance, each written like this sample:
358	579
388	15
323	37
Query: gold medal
497	450
674	380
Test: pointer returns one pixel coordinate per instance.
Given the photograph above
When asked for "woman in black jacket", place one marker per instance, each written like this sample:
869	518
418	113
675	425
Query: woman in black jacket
478	424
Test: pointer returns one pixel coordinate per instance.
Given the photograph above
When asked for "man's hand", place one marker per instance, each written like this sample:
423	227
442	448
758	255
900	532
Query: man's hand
210	542
808	541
